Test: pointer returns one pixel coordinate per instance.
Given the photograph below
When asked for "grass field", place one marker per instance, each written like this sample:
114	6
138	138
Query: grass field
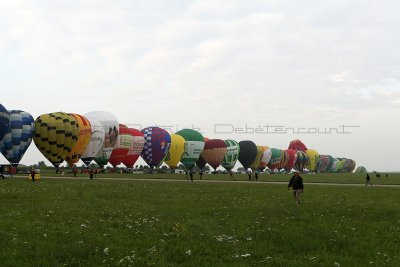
156	223
345	178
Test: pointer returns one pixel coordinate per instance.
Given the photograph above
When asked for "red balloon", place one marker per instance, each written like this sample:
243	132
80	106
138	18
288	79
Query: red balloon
136	148
214	152
297	145
292	158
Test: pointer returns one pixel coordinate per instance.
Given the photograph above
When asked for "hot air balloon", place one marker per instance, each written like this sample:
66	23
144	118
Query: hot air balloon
136	148
175	151
326	162
314	160
340	164
276	157
297	145
232	154
17	140
247	153
4	121
301	161
84	135
201	163
214	152
111	128
156	145
55	135
334	167
194	145
256	162
361	169
284	160
349	166
124	142
96	141
292	157
266	157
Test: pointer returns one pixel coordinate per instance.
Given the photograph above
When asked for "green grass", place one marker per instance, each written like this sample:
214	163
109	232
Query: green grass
345	178
157	223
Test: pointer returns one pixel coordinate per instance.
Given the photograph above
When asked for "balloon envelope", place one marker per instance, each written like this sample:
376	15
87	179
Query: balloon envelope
111	129
301	161
297	145
124	142
314	160
4	121
17	140
214	152
232	154
175	151
256	162
266	157
96	141
156	145
55	135
292	156
326	162
276	157
136	148
284	160
247	153
194	145
84	135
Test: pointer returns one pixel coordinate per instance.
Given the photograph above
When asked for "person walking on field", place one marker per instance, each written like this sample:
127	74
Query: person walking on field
368	180
296	182
33	175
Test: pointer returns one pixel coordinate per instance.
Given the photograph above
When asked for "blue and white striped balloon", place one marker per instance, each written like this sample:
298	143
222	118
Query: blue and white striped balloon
17	140
4	121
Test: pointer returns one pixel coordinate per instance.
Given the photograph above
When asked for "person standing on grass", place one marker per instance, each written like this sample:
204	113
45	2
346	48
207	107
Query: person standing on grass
33	175
368	180
296	182
191	175
249	174
201	174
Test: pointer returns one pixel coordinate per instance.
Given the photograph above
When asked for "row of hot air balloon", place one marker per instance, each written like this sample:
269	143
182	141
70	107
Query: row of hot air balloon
100	137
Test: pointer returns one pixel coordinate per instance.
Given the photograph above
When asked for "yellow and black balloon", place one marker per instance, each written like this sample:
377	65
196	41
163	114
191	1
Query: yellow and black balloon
55	135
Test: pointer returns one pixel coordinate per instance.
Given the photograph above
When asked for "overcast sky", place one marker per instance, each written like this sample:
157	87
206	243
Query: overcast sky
308	64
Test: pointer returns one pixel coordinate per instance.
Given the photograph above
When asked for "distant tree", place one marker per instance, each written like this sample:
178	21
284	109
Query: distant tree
41	165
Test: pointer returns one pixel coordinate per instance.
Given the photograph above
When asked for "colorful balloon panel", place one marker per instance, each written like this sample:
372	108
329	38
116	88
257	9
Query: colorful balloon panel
194	145
292	157
17	140
232	154
124	142
157	142
214	152
276	158
256	162
247	153
301	161
111	131
136	148
266	157
175	151
297	145
4	121
84	135
314	160
284	160
96	141
55	135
